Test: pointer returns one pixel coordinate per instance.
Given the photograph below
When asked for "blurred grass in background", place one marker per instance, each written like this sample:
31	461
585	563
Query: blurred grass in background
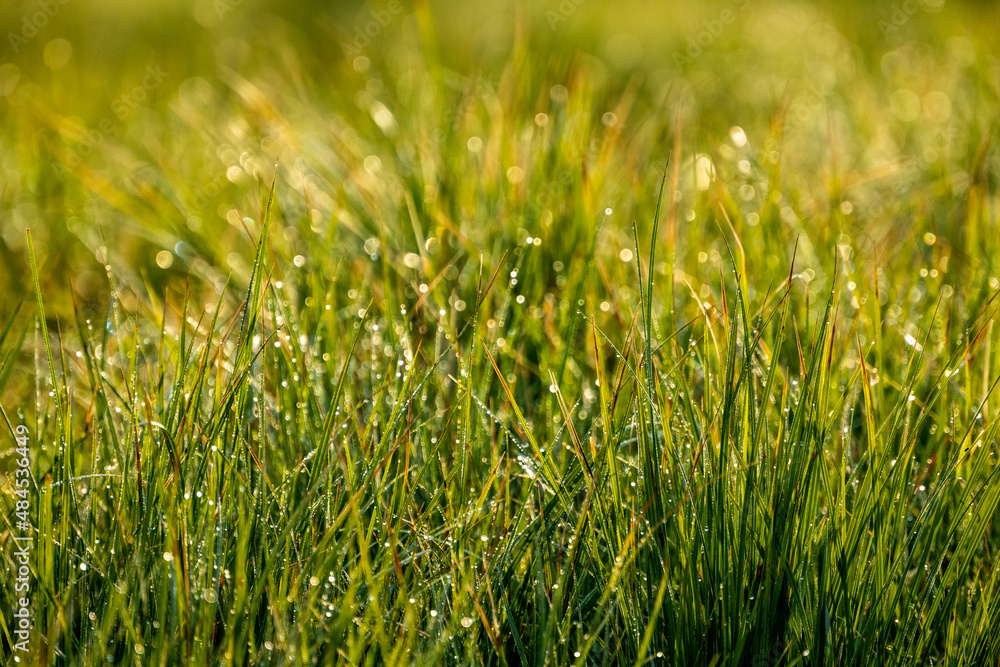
425	149
140	119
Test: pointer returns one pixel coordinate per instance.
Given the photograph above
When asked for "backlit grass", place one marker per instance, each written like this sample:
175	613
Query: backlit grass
528	344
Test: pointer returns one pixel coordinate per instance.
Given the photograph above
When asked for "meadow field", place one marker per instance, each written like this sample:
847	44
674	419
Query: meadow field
527	332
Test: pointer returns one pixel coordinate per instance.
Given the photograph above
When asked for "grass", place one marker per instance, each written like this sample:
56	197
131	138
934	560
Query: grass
534	348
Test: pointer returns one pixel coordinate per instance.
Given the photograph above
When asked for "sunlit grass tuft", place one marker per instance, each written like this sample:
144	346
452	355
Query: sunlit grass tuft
542	365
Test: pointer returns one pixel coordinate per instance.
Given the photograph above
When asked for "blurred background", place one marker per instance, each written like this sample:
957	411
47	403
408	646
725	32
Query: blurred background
142	135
